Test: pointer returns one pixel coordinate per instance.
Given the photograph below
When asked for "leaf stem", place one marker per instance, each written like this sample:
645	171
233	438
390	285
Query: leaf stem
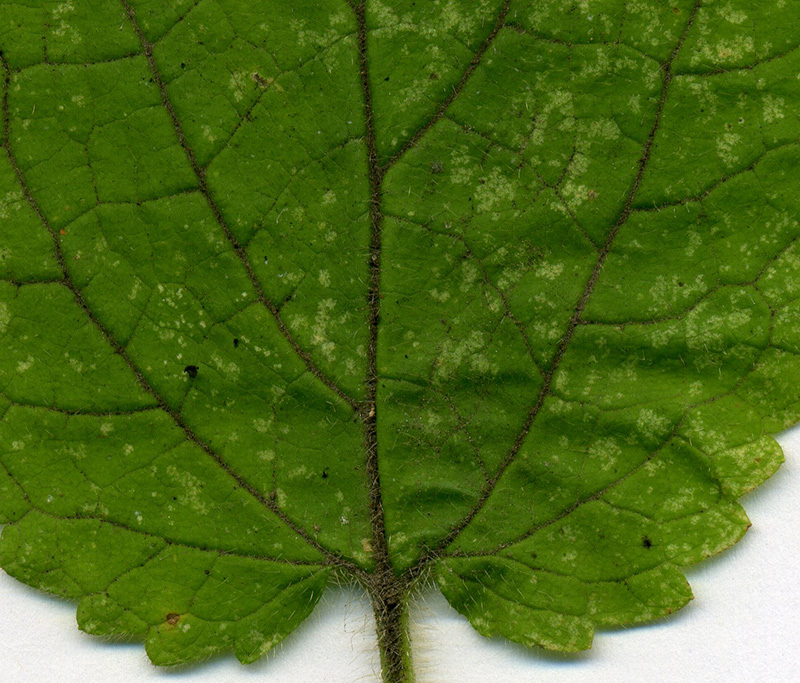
390	606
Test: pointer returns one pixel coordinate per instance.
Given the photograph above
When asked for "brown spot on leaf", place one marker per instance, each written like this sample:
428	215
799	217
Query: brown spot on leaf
172	618
261	81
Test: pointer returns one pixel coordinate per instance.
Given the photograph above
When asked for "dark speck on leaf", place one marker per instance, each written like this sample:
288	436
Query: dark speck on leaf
325	473
191	370
235	342
172	618
437	167
646	542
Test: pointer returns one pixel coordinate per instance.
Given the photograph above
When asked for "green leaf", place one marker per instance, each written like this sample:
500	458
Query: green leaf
500	293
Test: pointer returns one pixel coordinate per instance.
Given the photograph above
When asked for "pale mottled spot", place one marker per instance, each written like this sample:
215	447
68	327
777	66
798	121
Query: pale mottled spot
322	322
651	423
261	425
773	108
496	189
25	365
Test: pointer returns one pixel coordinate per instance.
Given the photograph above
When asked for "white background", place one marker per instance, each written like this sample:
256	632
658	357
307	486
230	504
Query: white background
742	627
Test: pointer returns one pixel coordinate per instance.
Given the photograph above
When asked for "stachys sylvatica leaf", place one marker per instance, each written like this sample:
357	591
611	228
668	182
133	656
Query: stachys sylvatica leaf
499	294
